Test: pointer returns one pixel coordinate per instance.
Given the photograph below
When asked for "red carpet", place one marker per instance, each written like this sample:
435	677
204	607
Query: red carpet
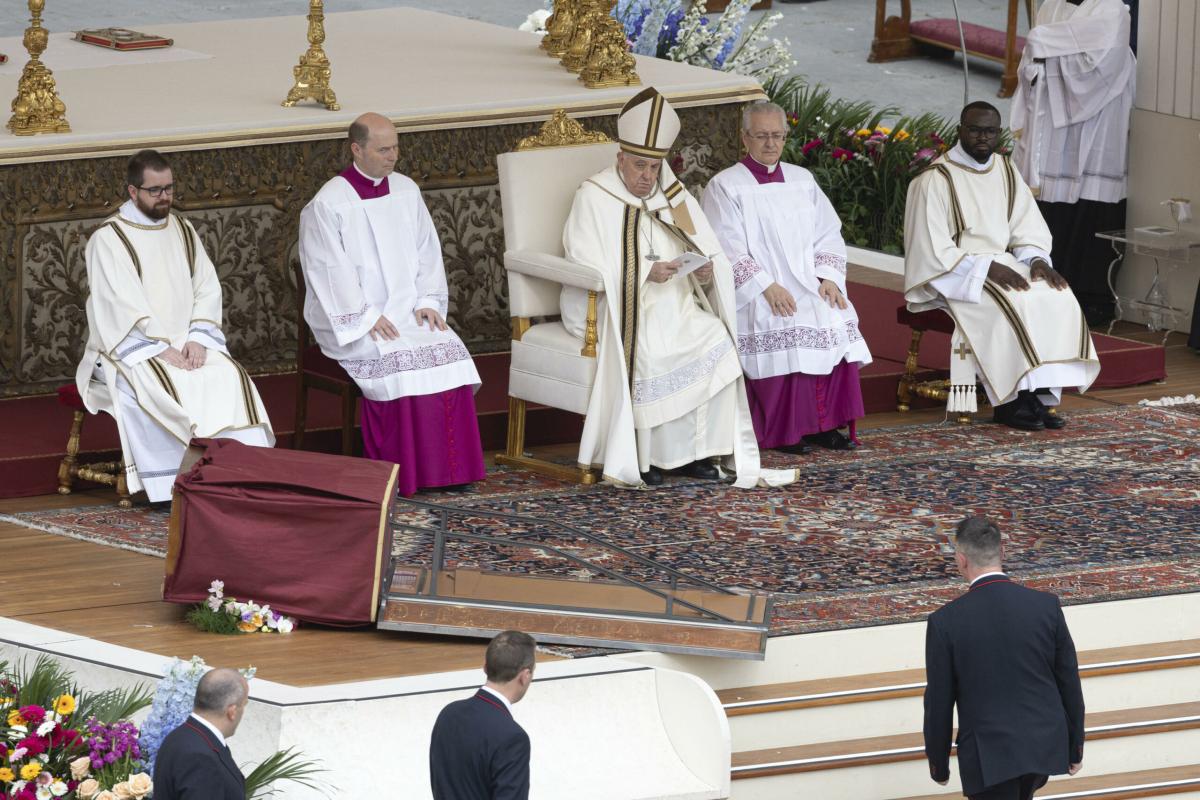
35	428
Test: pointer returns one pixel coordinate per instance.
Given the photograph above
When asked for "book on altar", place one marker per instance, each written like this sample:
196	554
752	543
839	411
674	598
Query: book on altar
690	262
122	39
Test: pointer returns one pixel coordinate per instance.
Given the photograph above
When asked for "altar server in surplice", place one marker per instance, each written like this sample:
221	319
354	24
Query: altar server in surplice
976	246
668	392
156	358
377	302
798	338
1071	118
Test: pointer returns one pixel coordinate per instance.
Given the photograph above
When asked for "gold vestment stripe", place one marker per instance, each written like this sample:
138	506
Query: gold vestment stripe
655	118
673	190
957	218
189	244
137	264
638	150
1085	338
247	393
630	284
1014	321
164	379
1010	185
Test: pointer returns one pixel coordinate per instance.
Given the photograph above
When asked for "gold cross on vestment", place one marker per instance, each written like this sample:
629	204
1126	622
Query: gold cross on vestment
963	351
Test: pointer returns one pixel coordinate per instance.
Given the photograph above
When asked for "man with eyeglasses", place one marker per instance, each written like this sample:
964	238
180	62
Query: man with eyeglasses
156	357
798	337
977	247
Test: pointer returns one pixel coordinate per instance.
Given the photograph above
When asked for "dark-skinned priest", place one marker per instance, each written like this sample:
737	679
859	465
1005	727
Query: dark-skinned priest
977	247
377	302
668	393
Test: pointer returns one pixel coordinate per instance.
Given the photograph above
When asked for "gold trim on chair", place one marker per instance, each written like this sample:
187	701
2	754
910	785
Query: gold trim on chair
561	131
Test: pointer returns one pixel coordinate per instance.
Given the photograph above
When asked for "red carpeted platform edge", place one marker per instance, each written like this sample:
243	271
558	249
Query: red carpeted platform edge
34	432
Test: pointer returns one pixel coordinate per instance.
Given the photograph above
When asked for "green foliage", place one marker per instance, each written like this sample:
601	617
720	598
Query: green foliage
283	765
861	164
46	679
112	705
209	621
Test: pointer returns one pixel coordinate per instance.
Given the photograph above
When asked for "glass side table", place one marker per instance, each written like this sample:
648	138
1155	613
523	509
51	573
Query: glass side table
1175	248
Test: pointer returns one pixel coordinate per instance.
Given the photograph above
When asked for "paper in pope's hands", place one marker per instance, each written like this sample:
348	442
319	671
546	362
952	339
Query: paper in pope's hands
690	262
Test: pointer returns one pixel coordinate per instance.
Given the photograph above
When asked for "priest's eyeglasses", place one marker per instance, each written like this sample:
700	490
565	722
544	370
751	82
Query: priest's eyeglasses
975	130
763	138
158	191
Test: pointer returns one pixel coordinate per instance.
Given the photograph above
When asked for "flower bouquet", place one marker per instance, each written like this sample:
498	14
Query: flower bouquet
221	614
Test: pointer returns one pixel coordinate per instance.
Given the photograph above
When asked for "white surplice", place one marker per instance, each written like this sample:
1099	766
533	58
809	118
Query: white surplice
1071	108
786	233
381	256
686	400
152	286
960	216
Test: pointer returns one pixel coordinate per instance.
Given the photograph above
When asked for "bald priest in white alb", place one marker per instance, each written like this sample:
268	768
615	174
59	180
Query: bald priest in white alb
798	337
377	302
668	392
976	246
156	358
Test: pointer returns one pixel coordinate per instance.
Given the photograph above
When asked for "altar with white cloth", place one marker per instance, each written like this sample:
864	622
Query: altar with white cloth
460	92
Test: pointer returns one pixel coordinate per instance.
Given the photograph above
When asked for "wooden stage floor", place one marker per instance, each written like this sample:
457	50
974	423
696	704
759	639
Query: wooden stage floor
115	596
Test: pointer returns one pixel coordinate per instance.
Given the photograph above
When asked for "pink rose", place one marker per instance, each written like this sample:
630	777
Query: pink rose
81	767
140	784
88	789
122	791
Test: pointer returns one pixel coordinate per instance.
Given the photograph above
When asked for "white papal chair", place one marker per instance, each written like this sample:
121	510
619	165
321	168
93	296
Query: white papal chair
550	366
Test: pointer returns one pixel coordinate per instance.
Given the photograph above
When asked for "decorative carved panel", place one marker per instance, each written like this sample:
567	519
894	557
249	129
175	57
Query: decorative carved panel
245	202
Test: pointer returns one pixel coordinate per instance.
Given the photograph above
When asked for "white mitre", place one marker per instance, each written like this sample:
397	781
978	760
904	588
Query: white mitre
647	125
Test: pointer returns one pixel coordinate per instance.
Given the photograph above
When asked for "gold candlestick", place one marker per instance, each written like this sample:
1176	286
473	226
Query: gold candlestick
587	25
610	63
37	107
559	28
313	72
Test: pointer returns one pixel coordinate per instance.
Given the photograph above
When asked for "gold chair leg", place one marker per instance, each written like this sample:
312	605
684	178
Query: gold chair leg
122	487
514	453
515	446
68	467
909	378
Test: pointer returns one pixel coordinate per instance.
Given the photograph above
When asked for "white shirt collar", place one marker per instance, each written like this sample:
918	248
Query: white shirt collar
374	181
211	727
770	170
498	696
959	156
988	575
129	210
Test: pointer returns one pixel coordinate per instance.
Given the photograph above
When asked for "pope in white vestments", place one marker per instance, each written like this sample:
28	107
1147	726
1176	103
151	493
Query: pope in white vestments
798	337
377	302
1071	122
977	247
156	358
668	393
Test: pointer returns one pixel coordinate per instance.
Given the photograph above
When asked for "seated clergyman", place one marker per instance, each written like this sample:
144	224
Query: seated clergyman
156	358
798	337
976	246
668	392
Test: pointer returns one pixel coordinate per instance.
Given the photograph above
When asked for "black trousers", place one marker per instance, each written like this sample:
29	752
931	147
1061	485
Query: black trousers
1021	788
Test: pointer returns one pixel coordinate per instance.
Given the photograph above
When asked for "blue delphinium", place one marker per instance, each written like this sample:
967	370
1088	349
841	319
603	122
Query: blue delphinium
173	699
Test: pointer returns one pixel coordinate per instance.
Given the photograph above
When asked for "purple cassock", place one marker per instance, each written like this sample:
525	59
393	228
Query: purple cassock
433	437
788	407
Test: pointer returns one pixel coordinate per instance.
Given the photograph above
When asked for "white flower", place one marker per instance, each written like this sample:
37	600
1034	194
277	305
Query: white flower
285	625
58	789
214	604
43	793
46	727
217	588
535	22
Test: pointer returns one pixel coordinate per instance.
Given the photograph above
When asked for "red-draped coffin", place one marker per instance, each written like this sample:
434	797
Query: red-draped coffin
305	533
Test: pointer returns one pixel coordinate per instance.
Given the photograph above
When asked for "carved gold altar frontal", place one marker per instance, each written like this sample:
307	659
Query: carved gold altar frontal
245	167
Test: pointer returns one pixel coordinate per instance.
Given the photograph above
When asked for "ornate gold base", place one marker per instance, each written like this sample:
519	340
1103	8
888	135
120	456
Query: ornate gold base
515	456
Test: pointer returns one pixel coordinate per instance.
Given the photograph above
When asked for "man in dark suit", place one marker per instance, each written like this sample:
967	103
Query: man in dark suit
1003	653
194	762
478	752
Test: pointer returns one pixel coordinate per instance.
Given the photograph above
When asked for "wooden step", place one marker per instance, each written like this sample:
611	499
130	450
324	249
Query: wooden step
1118	786
911	746
911	682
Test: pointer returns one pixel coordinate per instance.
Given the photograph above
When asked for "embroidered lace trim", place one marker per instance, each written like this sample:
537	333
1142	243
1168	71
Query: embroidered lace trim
802	338
652	389
744	270
133	348
831	260
427	357
342	322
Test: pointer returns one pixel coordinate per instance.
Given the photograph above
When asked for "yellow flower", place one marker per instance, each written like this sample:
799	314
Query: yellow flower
6	775
31	771
883	130
901	135
864	132
15	718
65	704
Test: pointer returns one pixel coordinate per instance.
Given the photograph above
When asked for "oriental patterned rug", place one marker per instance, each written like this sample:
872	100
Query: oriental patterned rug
1107	509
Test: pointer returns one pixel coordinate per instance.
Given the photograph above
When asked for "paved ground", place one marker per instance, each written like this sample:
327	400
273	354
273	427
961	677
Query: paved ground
830	38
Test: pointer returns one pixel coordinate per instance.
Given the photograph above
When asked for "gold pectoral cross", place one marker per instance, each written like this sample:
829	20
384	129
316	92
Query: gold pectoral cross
963	351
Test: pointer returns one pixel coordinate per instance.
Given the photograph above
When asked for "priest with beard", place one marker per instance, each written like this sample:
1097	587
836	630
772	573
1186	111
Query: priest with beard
377	302
668	393
156	358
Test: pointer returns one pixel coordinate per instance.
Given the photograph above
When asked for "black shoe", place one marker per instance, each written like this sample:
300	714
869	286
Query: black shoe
1049	416
830	440
455	488
652	477
705	470
800	448
1019	414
